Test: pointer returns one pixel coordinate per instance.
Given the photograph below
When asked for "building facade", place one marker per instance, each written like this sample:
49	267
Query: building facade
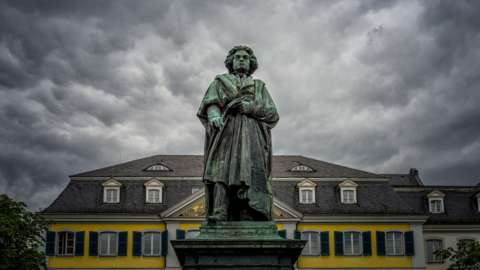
123	216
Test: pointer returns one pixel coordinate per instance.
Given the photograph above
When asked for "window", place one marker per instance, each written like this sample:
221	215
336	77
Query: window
192	234
312	247
154	195
352	243
348	192
394	243
65	243
301	168
348	196
436	202
306	192
158	167
436	205
432	246
108	244
111	195
153	191
152	243
111	191
306	196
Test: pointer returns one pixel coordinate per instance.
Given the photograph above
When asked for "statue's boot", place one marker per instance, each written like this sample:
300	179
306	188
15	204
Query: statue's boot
220	203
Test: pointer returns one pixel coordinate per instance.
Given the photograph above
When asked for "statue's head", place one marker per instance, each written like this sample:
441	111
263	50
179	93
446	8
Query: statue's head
241	59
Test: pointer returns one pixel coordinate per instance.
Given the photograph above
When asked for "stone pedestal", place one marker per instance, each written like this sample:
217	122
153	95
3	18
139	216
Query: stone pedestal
238	245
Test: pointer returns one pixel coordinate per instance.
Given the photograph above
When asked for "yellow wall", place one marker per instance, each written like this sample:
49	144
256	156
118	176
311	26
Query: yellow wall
87	261
373	261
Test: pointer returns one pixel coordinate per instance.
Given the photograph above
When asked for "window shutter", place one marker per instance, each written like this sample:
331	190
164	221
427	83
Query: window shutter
50	244
164	243
79	240
409	244
338	243
137	244
180	234
297	235
324	244
381	243
367	243
93	244
122	243
283	234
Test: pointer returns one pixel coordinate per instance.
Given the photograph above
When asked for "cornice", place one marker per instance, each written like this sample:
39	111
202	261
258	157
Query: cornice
364	219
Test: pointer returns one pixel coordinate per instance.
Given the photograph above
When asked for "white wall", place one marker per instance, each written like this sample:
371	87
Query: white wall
450	239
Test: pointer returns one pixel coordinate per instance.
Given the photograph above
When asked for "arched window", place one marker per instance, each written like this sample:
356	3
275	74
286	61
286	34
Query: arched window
158	167
301	168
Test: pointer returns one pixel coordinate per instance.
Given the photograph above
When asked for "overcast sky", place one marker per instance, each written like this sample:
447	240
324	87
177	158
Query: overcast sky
381	86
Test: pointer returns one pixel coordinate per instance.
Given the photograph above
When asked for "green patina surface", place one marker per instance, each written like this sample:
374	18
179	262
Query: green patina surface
238	113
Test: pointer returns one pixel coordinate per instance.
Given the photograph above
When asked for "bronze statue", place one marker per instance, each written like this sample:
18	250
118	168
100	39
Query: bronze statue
238	114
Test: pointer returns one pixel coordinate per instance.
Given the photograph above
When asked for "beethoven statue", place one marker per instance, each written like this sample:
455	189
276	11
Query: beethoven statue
238	113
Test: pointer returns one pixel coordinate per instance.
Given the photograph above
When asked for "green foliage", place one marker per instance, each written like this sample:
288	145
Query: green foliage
21	236
465	257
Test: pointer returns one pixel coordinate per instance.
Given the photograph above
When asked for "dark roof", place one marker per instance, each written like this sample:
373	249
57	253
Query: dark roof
192	166
86	196
460	205
410	179
374	198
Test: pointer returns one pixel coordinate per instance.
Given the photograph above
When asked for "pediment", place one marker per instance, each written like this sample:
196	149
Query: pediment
153	183
436	193
194	207
111	183
306	183
348	183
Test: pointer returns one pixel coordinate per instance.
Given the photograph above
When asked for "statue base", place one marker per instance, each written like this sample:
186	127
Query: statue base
238	245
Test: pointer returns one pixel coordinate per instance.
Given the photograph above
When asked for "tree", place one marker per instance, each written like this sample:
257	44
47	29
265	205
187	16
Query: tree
21	236
465	257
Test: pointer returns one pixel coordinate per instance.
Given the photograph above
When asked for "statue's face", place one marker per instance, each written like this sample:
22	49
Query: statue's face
241	61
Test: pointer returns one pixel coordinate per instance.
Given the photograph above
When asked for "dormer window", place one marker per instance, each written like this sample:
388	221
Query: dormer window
436	202
348	192
153	191
301	168
306	192
111	191
158	167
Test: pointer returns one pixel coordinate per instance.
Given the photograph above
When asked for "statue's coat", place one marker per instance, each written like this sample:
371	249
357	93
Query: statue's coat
240	153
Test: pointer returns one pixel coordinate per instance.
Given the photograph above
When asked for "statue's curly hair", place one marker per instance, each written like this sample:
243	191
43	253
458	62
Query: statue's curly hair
253	59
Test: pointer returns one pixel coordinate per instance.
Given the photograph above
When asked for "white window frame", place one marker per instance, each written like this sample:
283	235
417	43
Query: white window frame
105	197
344	199
158	168
307	250
111	184
160	244
57	243
108	244
306	185
153	184
351	252
434	211
401	249
301	168
427	253
160	195
303	199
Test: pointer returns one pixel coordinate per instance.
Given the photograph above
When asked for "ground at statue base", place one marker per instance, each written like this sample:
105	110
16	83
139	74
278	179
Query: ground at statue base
238	245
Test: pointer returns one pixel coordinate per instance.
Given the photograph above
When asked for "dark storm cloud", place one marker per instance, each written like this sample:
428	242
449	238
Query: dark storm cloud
377	85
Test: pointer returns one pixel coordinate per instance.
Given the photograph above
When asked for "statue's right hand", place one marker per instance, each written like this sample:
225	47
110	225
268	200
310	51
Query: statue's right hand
216	122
